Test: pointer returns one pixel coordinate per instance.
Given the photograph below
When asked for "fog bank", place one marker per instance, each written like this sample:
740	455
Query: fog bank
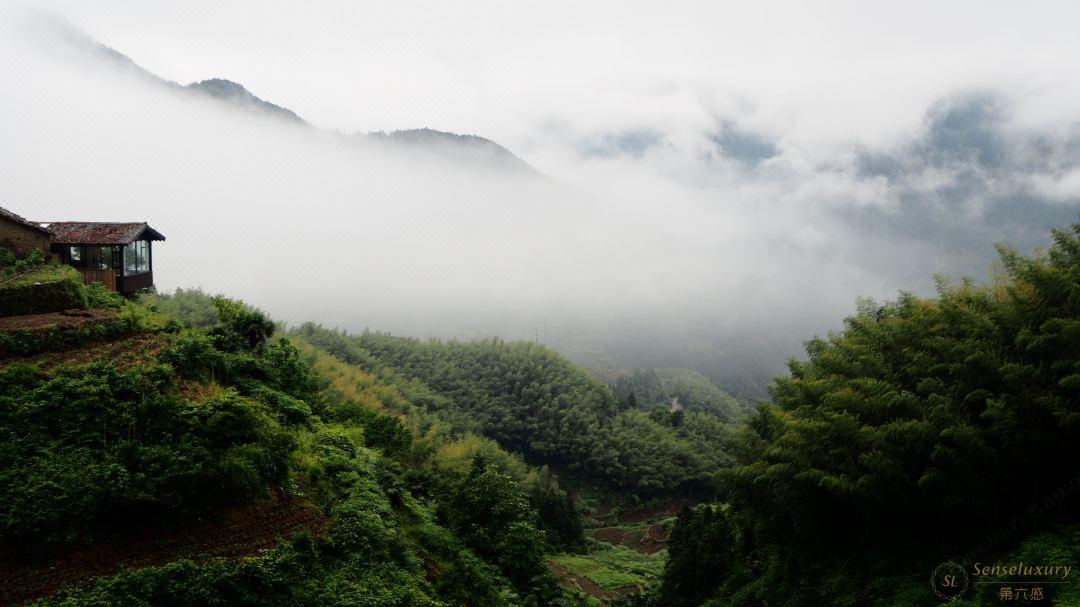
696	233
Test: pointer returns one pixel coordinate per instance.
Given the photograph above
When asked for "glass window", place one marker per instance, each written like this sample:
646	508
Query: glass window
130	259
104	258
137	257
76	254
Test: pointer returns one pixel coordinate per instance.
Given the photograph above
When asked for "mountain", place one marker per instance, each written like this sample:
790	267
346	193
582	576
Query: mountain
235	93
470	151
173	450
458	149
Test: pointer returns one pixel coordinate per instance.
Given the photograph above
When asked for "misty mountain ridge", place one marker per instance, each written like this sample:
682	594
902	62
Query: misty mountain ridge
454	149
635	274
235	93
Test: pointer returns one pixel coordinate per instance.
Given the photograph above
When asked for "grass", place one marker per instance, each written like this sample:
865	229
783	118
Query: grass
649	566
45	273
613	567
351	383
47	288
602	575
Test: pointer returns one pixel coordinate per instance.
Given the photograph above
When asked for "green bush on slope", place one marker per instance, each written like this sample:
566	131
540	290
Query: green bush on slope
93	444
532	401
905	441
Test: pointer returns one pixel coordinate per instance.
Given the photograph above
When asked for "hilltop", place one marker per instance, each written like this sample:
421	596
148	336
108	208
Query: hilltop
174	449
457	149
193	432
140	453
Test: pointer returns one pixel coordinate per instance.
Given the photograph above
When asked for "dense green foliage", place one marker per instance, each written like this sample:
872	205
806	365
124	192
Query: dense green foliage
95	443
30	341
929	430
492	515
220	415
534	402
11	265
92	443
687	389
908	439
191	307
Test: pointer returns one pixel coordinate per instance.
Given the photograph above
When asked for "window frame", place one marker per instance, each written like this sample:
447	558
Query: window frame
138	252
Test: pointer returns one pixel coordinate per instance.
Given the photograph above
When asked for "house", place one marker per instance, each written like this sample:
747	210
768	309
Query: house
20	235
118	255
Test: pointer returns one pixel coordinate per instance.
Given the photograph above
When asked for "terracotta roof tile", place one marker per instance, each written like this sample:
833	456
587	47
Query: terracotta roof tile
85	232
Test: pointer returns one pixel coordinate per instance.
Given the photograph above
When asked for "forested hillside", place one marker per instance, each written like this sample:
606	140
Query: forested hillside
532	401
198	414
676	390
929	430
390	471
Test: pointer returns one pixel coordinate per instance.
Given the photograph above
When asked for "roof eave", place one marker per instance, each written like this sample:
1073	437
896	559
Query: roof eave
149	233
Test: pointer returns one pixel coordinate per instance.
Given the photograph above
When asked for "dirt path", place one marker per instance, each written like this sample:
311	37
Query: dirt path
241	531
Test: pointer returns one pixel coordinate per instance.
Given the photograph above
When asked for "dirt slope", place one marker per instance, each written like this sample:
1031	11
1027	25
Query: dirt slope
240	531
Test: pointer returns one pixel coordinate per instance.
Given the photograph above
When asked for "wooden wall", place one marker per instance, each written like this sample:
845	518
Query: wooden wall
105	277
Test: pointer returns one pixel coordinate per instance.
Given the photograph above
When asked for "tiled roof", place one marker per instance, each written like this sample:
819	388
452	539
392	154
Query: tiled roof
85	232
6	214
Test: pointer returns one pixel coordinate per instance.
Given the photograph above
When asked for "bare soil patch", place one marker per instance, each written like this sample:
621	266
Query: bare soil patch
65	319
121	352
668	509
650	540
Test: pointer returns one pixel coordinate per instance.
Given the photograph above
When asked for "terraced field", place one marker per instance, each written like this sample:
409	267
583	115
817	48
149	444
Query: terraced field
625	557
122	352
238	531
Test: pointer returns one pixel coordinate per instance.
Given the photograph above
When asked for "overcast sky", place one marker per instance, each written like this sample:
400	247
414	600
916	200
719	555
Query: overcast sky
716	168
510	70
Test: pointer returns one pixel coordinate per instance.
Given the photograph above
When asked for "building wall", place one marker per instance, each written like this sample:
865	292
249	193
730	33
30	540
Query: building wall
20	238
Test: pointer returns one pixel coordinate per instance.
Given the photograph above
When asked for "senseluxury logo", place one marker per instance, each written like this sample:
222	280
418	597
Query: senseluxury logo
1021	581
949	581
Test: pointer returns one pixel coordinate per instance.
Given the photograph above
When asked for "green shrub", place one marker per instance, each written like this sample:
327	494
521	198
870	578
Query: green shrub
192	354
493	517
35	257
242	326
88	448
96	444
98	296
191	307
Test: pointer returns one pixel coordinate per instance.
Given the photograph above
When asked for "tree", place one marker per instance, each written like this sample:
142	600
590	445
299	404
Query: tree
492	516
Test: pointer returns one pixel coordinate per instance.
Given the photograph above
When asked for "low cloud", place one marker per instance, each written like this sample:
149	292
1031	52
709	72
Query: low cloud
694	228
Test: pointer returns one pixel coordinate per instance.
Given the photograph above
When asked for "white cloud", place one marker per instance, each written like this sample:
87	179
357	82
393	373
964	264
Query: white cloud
641	112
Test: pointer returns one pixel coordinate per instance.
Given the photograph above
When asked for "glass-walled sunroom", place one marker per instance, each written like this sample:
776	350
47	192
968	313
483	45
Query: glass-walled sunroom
137	257
133	258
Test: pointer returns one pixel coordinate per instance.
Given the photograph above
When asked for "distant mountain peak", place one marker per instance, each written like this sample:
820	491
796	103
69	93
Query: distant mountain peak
467	147
234	92
453	148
